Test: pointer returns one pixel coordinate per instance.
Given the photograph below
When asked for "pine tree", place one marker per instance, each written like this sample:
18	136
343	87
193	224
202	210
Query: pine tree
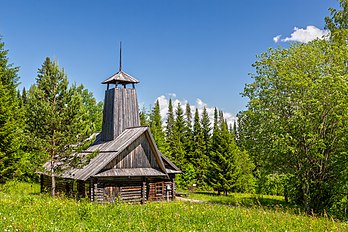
11	117
57	117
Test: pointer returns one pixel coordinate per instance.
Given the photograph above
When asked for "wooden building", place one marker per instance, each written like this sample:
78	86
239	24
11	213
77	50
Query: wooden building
128	165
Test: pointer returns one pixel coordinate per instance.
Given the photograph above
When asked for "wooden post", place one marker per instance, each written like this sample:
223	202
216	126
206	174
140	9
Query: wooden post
41	183
173	189
91	190
143	193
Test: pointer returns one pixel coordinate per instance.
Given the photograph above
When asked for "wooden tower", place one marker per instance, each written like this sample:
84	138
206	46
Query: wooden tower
120	104
128	165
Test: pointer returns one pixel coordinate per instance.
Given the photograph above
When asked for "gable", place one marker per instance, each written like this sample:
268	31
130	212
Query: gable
138	154
136	140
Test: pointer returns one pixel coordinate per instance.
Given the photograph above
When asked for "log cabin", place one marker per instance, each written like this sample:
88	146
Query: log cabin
128	166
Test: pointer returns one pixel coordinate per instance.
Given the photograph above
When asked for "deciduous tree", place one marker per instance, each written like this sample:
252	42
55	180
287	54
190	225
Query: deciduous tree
296	121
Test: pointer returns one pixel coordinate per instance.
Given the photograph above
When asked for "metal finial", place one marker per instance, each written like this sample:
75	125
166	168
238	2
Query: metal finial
120	56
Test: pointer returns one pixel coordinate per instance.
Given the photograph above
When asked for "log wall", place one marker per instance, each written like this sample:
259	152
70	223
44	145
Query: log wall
67	187
101	191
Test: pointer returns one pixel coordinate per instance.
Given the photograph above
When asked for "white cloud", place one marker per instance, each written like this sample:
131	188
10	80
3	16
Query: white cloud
277	38
304	35
164	102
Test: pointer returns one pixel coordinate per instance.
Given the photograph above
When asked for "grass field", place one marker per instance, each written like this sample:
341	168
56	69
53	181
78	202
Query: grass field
22	208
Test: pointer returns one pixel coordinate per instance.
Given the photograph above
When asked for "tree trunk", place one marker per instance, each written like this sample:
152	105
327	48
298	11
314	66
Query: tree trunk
305	192
53	187
52	167
53	146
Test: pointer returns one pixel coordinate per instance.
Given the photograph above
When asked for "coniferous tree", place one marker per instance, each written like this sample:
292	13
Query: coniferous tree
157	128
57	118
188	134
179	136
235	131
11	117
144	117
199	158
206	129
24	96
93	109
170	131
225	168
214	168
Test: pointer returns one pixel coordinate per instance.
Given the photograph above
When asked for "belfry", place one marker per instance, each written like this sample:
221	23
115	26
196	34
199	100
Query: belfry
121	109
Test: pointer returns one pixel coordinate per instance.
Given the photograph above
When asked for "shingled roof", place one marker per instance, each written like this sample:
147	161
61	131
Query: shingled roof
121	78
108	151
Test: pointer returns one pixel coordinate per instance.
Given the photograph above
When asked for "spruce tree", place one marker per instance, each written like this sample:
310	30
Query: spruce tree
179	136
206	129
199	158
170	131
188	143
144	117
223	168
156	127
11	117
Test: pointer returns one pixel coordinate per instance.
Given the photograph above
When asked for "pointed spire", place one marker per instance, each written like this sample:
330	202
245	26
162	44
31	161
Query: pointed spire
120	56
121	77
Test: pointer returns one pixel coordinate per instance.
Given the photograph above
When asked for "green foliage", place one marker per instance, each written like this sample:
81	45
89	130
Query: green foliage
155	122
11	119
272	184
296	122
170	131
59	118
22	208
188	133
178	139
188	177
144	117
230	169
339	18
199	157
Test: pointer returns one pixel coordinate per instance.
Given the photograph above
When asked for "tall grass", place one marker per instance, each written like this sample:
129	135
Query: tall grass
22	208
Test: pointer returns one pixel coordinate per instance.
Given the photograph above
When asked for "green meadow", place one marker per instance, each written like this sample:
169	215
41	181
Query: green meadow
23	208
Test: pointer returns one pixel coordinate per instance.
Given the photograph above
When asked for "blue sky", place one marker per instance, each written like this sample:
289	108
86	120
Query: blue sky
191	49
